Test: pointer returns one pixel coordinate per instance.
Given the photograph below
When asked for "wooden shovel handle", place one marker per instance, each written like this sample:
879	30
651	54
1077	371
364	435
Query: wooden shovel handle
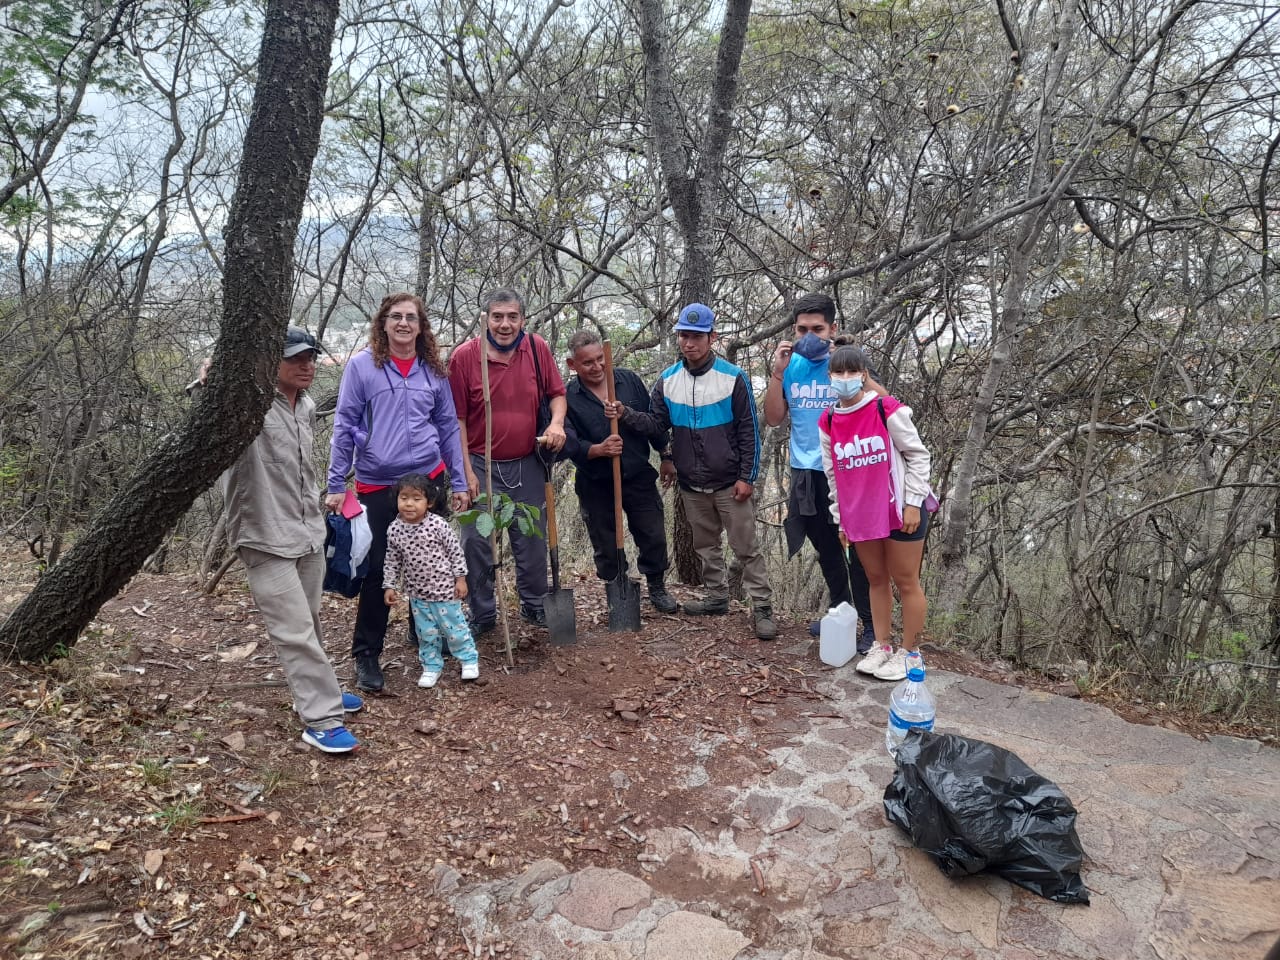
617	461
553	538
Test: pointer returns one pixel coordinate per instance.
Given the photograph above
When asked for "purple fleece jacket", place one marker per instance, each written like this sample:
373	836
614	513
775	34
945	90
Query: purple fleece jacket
392	425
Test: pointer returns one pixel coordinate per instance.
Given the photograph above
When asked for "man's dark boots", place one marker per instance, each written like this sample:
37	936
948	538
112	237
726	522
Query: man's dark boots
662	601
368	674
707	607
766	627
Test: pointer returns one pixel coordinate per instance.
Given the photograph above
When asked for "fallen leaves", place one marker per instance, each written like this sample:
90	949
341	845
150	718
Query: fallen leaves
239	652
234	741
786	826
467	783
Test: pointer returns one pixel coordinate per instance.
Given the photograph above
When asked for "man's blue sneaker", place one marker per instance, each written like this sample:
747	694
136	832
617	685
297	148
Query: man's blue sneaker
337	740
351	703
815	628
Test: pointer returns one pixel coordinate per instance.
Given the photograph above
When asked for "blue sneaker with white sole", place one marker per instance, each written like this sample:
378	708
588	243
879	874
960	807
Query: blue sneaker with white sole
337	740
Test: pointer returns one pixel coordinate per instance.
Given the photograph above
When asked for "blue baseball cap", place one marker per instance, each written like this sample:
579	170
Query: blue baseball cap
696	317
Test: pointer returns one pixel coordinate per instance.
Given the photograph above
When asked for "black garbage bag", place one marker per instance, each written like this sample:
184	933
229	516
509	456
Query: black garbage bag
974	806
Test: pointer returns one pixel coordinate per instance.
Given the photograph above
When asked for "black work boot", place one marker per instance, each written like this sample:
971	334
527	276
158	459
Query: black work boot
368	674
662	601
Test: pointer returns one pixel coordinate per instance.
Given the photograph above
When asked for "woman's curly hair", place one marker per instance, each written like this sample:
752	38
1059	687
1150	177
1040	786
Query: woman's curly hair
427	349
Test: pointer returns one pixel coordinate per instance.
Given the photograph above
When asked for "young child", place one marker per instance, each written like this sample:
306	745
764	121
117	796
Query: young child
878	472
422	547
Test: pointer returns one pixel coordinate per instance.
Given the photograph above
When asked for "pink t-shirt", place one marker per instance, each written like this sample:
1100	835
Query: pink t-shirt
862	460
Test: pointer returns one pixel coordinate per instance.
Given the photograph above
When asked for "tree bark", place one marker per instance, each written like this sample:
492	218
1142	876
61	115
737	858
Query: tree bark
280	145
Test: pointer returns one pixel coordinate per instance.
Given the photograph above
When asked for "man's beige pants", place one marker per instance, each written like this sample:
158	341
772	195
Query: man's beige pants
287	591
709	515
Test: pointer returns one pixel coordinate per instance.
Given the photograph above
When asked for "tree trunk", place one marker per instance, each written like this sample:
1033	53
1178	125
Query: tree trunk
688	566
693	185
280	146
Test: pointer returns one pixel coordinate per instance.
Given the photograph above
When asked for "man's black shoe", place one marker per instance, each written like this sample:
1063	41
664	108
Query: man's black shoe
662	601
481	627
368	674
534	615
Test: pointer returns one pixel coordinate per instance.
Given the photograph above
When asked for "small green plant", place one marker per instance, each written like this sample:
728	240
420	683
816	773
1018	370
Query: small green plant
156	773
1236	645
490	521
507	513
181	815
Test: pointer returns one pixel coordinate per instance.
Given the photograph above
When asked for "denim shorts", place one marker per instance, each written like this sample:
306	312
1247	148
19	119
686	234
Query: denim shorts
921	531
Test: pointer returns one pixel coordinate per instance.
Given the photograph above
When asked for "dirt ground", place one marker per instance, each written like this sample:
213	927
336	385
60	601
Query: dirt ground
157	800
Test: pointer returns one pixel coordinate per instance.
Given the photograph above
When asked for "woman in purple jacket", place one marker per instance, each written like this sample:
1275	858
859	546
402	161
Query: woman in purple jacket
395	416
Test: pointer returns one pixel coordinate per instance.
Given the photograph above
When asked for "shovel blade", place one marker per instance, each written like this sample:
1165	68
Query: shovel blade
562	622
624	604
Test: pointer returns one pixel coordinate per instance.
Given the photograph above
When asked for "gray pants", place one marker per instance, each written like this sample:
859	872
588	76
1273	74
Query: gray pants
712	513
521	480
287	591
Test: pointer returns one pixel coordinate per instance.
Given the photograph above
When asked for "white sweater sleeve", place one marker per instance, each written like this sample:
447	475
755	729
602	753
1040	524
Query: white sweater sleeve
828	467
915	457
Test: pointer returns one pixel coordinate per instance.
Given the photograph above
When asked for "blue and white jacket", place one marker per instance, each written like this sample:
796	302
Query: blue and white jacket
711	413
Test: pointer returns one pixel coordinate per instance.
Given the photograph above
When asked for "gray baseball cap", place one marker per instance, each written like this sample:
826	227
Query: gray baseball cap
297	340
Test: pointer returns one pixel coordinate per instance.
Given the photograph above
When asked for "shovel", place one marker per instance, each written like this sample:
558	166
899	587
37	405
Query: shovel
622	594
562	623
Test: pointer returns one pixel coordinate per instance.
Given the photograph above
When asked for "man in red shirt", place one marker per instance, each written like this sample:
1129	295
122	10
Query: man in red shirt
522	371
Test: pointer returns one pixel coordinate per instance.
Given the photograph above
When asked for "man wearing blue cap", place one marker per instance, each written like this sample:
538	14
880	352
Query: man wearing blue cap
707	404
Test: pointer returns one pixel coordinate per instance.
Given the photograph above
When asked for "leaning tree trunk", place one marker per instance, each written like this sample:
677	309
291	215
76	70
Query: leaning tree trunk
262	225
693	185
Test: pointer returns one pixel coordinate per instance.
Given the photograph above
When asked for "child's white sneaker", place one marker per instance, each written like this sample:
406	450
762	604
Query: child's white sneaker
429	679
471	671
895	668
875	659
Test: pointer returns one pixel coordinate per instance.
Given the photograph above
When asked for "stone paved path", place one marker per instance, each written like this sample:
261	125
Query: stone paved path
1182	840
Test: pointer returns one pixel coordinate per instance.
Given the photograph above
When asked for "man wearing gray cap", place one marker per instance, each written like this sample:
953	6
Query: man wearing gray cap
275	525
707	404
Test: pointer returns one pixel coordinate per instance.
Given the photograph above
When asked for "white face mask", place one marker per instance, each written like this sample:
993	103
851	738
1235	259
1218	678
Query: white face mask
846	389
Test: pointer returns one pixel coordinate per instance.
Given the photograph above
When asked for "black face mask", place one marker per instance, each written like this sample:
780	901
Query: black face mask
499	347
812	347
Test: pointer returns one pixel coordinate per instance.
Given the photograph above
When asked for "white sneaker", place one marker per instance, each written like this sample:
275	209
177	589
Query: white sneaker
875	658
471	671
894	668
430	678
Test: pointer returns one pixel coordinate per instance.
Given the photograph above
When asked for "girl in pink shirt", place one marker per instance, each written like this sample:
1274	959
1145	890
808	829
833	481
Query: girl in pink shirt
878	473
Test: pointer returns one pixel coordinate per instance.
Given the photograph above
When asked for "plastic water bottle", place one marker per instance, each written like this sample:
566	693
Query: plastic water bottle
838	635
911	705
